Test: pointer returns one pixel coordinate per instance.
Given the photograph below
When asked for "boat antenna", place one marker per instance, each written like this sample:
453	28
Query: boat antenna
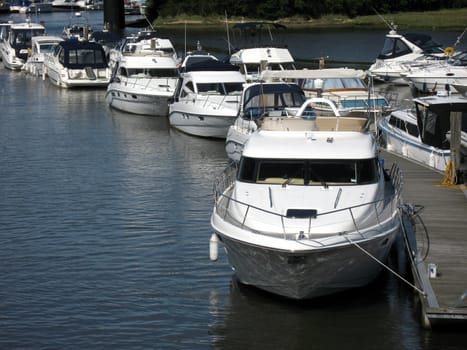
185	38
459	38
147	20
390	25
227	28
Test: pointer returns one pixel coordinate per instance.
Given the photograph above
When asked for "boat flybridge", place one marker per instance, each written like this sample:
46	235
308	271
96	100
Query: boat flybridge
260	50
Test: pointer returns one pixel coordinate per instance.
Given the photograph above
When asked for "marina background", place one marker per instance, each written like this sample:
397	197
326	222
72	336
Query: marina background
104	229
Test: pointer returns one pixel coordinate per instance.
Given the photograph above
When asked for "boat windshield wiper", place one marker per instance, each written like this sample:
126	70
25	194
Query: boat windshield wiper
315	175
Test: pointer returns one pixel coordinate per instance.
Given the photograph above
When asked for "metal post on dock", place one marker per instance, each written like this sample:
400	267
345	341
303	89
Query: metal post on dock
456	121
114	15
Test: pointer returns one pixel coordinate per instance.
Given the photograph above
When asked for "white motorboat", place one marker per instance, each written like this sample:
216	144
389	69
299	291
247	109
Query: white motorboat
310	210
17	44
79	29
76	63
39	6
40	46
145	42
344	86
69	5
195	57
261	53
400	50
260	100
144	78
438	76
420	133
207	99
4	33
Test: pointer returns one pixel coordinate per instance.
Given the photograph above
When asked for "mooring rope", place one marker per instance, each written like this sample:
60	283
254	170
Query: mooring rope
385	266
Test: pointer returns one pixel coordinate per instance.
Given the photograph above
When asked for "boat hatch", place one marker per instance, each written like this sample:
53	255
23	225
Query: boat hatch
302	213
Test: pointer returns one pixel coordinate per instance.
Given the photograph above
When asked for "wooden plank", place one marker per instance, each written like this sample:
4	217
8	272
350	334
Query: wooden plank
445	217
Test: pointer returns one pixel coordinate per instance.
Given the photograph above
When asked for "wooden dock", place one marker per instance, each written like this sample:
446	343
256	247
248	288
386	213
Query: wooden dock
444	216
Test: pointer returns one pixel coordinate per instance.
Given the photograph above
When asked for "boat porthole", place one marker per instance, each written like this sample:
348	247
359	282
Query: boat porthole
134	96
385	242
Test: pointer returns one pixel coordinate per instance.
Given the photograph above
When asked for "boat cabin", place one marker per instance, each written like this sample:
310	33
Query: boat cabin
75	54
271	99
396	45
20	35
433	118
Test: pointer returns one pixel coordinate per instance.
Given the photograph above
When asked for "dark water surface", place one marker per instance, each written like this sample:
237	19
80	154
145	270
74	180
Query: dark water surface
104	230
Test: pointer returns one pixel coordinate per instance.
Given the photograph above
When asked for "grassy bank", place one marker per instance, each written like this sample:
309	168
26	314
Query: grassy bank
454	20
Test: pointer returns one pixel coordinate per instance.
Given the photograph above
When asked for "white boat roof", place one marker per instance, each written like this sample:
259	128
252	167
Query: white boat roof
148	61
327	73
310	145
404	114
27	25
46	39
215	76
258	54
455	102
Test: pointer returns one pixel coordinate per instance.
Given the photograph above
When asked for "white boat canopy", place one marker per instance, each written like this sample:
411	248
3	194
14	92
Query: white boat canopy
271	75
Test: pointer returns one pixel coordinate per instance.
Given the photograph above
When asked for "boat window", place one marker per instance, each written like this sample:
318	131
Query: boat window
334	83
313	172
23	37
187	89
61	56
152	73
210	88
86	57
398	123
233	88
48	47
393	47
259	105
412	129
251	68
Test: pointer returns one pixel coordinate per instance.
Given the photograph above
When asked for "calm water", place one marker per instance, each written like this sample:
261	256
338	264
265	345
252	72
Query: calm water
104	229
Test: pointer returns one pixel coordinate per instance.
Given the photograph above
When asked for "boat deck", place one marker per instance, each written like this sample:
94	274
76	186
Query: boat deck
444	215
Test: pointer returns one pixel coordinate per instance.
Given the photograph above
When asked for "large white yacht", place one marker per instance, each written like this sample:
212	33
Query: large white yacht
16	43
144	77
309	210
76	63
207	99
399	51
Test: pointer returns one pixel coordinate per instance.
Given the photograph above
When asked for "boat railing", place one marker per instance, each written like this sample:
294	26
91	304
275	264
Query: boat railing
216	100
146	82
377	212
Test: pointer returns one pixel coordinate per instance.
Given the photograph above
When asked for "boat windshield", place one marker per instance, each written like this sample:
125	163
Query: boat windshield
333	83
21	38
220	88
309	172
149	72
47	47
394	47
263	98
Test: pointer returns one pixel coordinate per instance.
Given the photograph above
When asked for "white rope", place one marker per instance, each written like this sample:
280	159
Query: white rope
385	266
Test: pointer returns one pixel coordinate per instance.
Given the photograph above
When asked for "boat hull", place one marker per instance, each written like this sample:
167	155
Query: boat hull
395	142
308	274
204	125
137	103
